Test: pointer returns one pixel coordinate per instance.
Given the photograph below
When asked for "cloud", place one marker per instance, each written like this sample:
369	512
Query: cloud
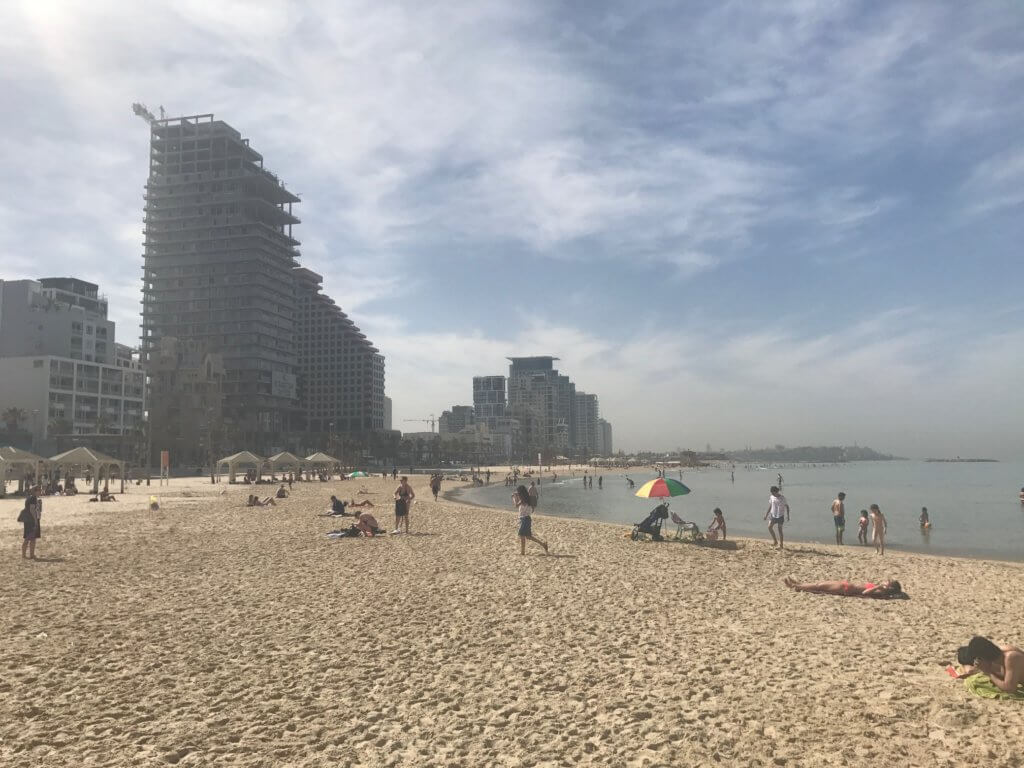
996	183
451	156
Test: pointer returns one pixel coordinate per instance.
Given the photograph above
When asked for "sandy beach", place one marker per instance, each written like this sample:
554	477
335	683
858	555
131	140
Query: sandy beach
211	634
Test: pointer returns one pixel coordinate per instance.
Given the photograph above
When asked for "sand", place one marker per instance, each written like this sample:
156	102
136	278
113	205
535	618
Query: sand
211	634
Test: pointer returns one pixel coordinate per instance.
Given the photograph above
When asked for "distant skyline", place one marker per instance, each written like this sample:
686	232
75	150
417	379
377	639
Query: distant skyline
795	223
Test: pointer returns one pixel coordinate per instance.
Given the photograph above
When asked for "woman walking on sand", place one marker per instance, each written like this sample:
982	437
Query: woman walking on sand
878	529
30	518
404	495
521	498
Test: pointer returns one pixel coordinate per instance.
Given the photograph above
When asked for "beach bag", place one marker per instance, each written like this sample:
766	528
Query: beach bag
21	515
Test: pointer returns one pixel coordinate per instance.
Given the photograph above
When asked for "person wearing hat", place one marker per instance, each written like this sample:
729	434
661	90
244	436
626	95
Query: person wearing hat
839	516
1004	665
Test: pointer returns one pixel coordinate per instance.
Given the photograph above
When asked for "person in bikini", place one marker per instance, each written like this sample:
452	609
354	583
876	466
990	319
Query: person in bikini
404	495
862	527
884	591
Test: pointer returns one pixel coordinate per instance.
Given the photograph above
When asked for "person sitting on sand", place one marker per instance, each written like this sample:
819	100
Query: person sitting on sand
106	495
255	501
281	492
1004	665
879	527
717	528
862	526
337	506
367	523
884	591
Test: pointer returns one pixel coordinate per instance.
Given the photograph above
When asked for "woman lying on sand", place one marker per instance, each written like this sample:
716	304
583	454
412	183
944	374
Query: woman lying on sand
890	589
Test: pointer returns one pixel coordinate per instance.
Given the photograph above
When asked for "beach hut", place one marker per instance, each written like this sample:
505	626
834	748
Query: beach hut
241	459
86	458
285	461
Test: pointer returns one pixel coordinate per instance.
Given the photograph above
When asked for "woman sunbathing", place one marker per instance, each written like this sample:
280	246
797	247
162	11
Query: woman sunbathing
885	591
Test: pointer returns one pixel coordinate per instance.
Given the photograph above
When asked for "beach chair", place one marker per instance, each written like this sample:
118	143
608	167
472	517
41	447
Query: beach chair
686	529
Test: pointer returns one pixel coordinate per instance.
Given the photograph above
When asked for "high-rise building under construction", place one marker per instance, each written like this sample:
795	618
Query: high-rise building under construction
221	319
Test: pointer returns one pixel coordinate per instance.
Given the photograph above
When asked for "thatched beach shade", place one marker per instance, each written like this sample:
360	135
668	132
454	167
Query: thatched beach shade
285	460
241	459
90	459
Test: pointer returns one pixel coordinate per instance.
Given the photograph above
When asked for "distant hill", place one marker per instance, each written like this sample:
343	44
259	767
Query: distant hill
821	454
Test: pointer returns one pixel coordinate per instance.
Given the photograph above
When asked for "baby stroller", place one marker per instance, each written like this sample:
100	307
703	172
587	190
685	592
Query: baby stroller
651	525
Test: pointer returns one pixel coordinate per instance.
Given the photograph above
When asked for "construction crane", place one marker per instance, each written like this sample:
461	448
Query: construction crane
142	111
429	421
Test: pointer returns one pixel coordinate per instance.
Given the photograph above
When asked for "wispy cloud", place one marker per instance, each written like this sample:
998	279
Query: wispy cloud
453	155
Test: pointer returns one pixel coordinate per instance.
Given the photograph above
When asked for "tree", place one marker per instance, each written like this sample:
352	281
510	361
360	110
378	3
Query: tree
12	418
102	423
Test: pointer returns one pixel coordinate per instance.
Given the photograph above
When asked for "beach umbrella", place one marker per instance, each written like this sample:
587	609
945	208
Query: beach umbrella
661	487
358	473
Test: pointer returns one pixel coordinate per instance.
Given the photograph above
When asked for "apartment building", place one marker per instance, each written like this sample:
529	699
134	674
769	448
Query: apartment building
61	366
341	373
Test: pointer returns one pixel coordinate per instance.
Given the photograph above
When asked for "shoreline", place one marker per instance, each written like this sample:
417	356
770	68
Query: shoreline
980	557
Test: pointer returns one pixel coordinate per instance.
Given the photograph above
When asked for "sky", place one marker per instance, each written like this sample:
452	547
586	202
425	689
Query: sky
737	224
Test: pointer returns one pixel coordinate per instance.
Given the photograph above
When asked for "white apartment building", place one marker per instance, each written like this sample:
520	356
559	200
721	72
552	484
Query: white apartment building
60	364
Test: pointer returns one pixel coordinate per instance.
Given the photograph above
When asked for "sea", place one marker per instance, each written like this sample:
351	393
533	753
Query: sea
974	508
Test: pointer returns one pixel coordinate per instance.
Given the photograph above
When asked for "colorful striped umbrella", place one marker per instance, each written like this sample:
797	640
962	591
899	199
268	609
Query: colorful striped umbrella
662	486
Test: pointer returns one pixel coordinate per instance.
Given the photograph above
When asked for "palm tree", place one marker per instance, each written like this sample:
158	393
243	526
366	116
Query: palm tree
12	418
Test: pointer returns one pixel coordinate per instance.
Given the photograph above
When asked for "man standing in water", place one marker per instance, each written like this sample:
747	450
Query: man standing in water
778	511
839	516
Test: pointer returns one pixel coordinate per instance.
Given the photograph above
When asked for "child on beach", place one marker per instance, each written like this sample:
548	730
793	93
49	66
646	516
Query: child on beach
523	501
717	528
878	529
30	517
862	532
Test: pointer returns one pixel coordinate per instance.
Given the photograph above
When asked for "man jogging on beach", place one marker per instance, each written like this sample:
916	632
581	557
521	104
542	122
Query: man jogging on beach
839	516
778	511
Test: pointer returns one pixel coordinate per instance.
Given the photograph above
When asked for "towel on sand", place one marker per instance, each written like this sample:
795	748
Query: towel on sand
980	685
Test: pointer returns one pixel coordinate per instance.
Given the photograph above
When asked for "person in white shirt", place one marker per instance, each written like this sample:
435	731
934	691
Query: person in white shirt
778	511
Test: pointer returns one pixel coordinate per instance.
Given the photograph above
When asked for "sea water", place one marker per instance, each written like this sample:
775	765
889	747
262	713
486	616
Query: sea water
974	508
